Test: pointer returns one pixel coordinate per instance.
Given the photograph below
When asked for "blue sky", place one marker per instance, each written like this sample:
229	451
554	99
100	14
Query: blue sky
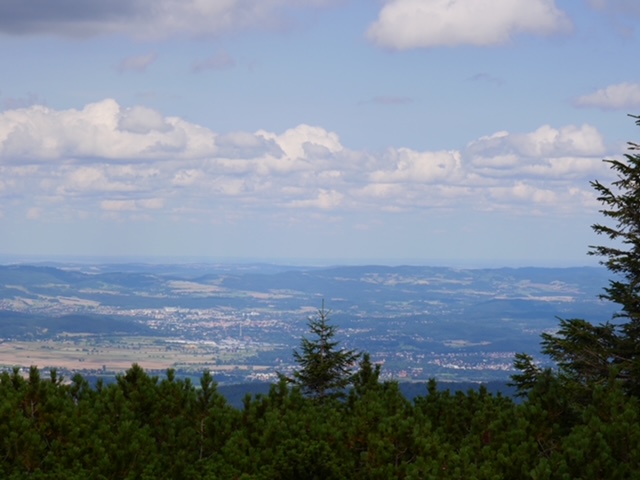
458	132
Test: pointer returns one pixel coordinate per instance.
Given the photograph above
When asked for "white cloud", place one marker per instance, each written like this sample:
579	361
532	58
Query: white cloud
127	162
406	24
498	162
614	97
142	120
421	167
80	180
547	141
381	190
103	129
528	199
246	145
293	141
324	199
548	152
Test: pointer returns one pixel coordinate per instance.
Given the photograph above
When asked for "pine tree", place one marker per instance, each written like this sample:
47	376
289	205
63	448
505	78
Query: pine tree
324	369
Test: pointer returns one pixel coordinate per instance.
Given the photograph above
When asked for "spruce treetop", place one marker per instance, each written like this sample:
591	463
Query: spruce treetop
324	369
621	203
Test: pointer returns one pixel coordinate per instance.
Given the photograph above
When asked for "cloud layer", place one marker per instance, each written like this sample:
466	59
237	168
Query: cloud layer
108	160
401	24
405	24
148	19
614	97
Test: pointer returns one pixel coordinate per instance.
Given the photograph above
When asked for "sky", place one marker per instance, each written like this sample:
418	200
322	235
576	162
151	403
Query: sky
459	132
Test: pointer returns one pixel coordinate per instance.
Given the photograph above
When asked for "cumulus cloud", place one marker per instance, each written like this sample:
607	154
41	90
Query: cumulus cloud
421	167
100	130
149	19
546	153
614	97
524	193
130	161
548	141
246	145
92	179
295	141
142	120
406	24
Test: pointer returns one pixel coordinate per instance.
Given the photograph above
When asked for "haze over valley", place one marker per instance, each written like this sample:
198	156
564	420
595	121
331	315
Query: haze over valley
242	321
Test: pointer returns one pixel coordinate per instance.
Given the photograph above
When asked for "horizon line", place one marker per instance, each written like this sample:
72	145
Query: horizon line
292	261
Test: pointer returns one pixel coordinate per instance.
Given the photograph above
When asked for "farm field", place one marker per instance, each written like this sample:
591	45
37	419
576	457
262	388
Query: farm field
112	355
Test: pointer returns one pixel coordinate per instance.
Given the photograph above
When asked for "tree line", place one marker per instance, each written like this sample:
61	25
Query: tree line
333	418
144	427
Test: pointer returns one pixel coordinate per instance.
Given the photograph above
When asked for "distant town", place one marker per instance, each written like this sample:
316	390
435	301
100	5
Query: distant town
242	323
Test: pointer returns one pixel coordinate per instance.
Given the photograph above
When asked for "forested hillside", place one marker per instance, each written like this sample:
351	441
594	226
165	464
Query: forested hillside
146	427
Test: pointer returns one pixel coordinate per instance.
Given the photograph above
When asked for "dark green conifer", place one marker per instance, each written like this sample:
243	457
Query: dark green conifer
324	369
588	354
621	203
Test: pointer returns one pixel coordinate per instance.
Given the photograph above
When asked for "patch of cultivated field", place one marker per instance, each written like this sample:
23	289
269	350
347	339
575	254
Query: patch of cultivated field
81	352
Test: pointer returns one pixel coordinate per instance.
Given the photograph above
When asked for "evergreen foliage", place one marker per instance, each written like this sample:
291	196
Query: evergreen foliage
144	427
589	355
621	203
324	369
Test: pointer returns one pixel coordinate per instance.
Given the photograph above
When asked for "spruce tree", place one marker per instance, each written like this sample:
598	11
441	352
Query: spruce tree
324	370
587	354
621	203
